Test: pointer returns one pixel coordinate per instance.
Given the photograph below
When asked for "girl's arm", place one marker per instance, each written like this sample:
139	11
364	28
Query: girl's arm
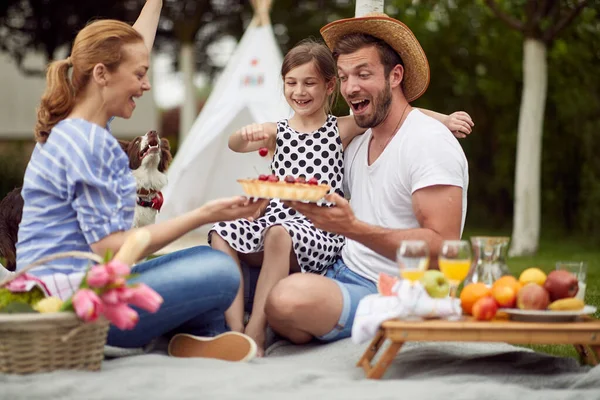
254	136
147	22
459	122
348	129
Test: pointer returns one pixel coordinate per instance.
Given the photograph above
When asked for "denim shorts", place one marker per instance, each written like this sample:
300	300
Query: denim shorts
354	287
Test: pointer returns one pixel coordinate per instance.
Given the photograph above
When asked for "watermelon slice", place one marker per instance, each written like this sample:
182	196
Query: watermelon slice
385	284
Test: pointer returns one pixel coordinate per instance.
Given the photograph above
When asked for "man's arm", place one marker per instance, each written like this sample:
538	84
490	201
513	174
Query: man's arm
147	22
438	210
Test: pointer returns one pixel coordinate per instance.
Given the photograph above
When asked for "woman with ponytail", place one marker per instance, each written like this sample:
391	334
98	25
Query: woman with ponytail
79	194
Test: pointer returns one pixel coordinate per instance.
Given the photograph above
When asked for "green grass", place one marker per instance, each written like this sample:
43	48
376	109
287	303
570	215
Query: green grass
550	251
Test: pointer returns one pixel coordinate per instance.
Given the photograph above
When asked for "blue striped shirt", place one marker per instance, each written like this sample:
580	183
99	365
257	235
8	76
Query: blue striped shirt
77	189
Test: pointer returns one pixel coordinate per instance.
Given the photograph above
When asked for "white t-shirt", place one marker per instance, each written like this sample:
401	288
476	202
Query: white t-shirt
423	153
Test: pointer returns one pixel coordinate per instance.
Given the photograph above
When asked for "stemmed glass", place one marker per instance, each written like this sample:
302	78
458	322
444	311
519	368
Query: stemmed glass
455	262
413	260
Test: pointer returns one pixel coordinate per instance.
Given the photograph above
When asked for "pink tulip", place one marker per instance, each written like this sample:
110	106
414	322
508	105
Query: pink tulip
87	305
117	269
145	298
121	315
98	276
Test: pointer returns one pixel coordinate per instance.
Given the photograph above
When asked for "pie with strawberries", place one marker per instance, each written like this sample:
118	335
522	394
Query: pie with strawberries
298	189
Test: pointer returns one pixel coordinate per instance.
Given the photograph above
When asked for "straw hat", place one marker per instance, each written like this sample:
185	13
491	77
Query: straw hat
394	33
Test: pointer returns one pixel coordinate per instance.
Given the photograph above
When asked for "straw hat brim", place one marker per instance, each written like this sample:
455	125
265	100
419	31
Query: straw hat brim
398	36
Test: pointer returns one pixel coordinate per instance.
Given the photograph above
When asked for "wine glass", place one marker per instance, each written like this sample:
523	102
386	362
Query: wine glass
455	262
413	259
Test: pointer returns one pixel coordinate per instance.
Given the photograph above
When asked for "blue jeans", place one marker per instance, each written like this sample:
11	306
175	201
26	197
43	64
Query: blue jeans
197	284
354	287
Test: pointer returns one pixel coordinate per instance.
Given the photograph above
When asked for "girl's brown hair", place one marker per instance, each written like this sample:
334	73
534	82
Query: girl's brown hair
310	50
100	42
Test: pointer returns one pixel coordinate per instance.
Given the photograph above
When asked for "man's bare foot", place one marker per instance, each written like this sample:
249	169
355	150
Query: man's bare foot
259	335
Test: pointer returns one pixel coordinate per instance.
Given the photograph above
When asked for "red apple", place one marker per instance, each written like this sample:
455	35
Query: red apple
561	284
533	297
485	309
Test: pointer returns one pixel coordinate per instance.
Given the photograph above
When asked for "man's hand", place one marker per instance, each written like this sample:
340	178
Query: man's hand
338	218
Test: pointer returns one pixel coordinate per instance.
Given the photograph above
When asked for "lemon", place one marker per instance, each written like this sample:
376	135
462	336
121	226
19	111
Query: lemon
48	305
532	275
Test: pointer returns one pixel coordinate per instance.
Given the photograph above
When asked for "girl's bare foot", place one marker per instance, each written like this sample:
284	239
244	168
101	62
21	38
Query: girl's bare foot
259	335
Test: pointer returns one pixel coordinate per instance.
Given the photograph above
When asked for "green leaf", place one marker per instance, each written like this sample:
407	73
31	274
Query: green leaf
18	307
108	256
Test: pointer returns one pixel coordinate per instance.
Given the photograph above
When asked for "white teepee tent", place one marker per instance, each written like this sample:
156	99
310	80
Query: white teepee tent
248	90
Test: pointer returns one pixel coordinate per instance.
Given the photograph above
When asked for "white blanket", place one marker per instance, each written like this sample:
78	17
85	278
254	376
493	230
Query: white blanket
424	371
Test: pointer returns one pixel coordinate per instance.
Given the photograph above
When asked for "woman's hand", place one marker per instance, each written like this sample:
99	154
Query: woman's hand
231	208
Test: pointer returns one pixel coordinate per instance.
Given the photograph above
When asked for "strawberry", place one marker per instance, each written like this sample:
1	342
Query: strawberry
263	177
301	180
273	178
263	151
313	181
290	179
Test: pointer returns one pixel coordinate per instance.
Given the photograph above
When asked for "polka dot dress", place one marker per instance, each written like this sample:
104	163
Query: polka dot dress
317	154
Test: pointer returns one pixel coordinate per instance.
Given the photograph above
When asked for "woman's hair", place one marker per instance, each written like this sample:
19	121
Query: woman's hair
309	50
100	42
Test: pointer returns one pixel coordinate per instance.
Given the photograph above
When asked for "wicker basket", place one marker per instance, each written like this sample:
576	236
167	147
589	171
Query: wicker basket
32	343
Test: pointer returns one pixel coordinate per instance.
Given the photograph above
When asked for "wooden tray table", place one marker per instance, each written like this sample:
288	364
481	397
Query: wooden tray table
583	334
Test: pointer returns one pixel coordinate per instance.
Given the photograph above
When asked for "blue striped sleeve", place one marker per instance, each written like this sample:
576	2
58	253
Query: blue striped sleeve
100	181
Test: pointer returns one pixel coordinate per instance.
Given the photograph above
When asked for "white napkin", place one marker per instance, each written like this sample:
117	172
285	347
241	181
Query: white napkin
409	300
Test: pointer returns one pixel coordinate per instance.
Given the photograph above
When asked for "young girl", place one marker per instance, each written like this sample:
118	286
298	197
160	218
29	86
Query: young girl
310	144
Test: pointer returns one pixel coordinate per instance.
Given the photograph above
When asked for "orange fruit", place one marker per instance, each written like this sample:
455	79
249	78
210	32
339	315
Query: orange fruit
471	293
508	280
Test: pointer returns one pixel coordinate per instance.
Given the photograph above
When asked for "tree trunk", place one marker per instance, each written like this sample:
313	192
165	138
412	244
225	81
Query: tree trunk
526	222
188	108
364	7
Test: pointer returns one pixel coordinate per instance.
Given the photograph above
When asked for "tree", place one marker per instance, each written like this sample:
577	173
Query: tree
28	26
542	22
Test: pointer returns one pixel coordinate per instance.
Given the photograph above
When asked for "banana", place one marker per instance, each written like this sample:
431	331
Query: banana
570	304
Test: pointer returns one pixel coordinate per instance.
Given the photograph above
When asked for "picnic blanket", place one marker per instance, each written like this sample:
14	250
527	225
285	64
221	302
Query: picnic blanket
421	371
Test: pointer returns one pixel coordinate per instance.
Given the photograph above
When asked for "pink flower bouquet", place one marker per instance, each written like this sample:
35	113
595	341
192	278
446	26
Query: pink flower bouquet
104	292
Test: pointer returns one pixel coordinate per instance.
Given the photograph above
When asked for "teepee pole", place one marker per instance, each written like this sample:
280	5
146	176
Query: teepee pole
364	7
261	12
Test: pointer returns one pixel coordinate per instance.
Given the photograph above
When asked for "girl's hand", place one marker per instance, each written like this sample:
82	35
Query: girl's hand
253	133
231	208
460	124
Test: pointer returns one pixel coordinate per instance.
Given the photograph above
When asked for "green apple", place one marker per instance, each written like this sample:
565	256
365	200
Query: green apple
435	283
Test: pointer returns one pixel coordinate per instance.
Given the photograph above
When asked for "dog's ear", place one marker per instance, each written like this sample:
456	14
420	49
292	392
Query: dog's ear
165	155
124	145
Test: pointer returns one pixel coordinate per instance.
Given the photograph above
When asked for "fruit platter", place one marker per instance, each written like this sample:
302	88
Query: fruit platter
290	188
533	297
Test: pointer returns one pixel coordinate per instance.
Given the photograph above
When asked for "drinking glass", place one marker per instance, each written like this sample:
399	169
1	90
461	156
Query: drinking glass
413	259
455	262
579	269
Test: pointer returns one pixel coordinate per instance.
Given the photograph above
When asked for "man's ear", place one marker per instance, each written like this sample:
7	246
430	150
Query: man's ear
100	74
396	75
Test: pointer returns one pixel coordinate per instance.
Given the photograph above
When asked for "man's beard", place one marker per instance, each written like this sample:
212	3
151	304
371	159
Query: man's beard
382	105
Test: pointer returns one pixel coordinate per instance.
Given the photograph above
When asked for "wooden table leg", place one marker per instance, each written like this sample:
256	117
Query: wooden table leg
586	354
384	362
365	360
